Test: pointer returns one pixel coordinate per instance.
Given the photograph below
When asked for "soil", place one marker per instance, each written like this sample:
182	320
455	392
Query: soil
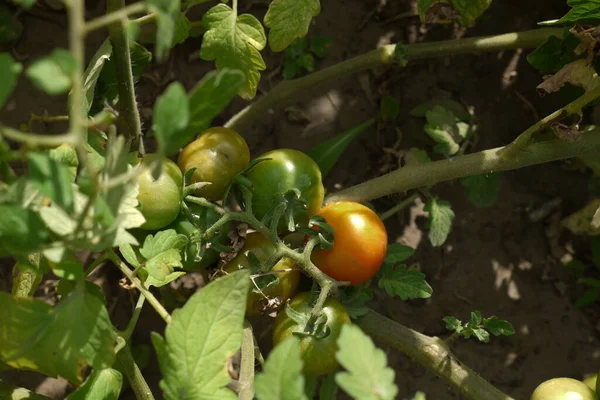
496	260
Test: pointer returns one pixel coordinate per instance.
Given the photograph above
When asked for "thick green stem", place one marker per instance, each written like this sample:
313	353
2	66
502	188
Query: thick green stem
129	117
77	117
572	108
246	380
135	281
433	354
134	318
36	140
487	161
26	278
12	392
115	16
287	90
134	375
404	203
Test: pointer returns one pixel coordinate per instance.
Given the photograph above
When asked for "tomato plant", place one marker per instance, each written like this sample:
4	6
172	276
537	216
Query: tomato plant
159	198
98	223
563	389
316	348
360	243
217	154
275	286
283	170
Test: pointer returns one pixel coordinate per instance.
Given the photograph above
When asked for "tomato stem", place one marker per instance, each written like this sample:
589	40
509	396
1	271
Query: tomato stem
246	379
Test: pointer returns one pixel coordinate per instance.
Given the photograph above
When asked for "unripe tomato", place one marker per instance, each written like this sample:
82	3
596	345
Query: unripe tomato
159	199
286	170
279	290
218	154
359	246
318	354
563	389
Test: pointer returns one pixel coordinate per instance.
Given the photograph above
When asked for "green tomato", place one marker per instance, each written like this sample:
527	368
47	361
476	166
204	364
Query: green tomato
286	170
591	381
160	198
218	154
563	389
318	354
278	286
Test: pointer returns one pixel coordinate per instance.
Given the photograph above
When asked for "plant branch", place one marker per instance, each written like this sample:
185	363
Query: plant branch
134	375
137	283
404	203
129	117
287	90
26	278
126	334
77	117
486	161
36	140
433	354
246	380
115	16
572	108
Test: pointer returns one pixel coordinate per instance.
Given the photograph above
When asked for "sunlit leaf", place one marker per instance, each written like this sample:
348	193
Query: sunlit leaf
288	20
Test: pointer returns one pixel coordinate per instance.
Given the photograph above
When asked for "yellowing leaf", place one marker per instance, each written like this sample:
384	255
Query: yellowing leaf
234	41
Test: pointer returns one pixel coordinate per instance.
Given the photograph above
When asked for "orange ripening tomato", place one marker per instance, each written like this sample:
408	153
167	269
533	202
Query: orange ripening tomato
359	246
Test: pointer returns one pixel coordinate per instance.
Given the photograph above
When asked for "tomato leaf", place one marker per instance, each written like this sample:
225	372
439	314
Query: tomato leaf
288	20
9	71
206	332
368	377
585	12
401	54
25	3
453	324
498	327
327	153
182	28
390	107
102	384
208	98
67	156
10	26
453	106
21	230
440	220
93	71
56	341
554	54
166	16
53	73
482	190
51	178
163	254
445	129
282	377
129	255
354	300
171	116
479	327
403	282
468	10
398	252
234	41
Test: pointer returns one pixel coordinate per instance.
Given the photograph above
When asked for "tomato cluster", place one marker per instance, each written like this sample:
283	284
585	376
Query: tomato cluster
567	389
216	157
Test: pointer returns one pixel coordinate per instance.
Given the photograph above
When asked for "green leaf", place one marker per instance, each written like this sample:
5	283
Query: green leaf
354	300
444	128
201	338
56	341
288	20
234	42
129	255
327	153
182	28
401	54
53	74
498	327
554	54
319	45
93	72
440	220
68	267
51	178
208	98
9	71
21	230
481	334
453	106
10	26
166	16
583	12
107	89
103	384
163	241
368	377
475	320
163	280
171	116
25	3
329	388
67	156
468	10
589	296
482	190
400	281
390	107
398	252
282	375
453	324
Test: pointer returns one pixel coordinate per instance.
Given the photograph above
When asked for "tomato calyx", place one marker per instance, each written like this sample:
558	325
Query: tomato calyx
307	325
240	179
323	232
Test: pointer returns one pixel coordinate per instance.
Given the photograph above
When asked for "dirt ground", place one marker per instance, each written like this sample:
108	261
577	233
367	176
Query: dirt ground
496	260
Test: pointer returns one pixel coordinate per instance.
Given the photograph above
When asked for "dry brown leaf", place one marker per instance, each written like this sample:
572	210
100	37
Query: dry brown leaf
578	73
567	133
